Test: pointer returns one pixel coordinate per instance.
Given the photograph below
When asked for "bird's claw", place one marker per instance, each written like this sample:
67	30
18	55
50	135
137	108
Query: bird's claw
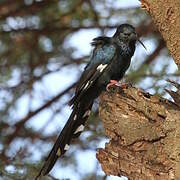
112	83
124	85
117	83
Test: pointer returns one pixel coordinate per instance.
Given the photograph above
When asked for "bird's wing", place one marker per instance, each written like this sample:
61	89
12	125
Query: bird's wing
100	58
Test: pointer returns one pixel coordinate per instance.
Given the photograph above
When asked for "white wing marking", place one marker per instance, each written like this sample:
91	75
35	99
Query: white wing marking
101	67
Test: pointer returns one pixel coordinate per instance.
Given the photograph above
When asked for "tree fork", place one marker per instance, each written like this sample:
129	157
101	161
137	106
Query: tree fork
144	132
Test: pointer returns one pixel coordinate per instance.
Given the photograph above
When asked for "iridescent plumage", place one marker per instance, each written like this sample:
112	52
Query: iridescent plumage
109	60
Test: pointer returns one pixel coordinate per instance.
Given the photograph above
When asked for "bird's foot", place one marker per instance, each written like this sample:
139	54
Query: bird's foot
124	85
112	83
117	83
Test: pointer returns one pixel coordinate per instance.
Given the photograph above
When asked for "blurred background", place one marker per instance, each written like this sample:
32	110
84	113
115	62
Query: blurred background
44	46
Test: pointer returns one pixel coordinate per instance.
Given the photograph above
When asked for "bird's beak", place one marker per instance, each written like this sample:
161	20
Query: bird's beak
142	44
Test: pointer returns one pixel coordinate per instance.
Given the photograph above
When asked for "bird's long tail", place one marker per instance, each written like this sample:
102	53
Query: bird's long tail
72	129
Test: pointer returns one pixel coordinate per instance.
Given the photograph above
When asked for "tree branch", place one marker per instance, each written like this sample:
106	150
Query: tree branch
21	122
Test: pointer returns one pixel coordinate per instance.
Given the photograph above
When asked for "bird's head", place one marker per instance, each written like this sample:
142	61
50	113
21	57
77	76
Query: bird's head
126	33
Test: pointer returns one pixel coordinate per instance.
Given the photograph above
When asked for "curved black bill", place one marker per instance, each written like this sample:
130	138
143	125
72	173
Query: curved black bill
142	44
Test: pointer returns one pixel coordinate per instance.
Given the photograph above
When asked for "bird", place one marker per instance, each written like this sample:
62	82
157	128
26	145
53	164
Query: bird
109	60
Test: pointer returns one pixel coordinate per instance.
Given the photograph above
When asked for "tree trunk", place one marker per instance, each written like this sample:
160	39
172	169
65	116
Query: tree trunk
144	132
166	16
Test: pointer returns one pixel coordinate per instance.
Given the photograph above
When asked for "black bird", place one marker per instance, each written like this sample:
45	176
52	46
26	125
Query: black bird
109	61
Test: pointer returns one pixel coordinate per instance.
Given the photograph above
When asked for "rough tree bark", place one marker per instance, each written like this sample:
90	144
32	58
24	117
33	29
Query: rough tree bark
144	130
166	16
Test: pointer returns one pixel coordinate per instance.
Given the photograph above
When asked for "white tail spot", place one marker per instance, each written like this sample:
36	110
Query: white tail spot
79	129
66	147
58	152
101	67
75	117
87	113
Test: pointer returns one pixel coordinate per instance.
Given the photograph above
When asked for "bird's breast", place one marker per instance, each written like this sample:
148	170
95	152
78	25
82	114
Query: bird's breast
119	67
